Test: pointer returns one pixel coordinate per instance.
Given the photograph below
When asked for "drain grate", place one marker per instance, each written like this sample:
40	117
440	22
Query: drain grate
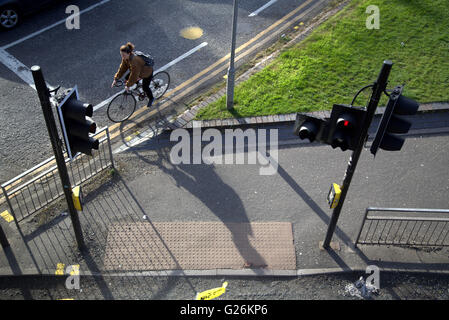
199	246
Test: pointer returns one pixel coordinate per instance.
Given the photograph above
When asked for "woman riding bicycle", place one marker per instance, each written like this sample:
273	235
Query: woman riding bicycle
138	70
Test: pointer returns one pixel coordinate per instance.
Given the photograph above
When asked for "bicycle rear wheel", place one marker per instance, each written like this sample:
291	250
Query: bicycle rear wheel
121	107
159	84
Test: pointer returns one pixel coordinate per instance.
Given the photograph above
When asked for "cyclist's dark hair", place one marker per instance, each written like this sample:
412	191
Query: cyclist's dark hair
128	48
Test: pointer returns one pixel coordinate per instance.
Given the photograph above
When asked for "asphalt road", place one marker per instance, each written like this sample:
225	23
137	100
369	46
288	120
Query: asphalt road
393	286
89	57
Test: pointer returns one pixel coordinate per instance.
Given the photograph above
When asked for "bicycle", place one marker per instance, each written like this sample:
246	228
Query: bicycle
123	105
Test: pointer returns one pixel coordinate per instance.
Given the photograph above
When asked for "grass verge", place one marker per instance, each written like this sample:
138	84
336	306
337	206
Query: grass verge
342	55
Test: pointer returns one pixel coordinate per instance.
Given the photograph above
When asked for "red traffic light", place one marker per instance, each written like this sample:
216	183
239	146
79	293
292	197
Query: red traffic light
345	126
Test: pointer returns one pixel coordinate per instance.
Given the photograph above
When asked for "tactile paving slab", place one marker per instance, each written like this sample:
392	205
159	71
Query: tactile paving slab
199	246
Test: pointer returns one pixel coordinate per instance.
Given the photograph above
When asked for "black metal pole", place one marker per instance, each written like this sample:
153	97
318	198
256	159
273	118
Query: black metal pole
231	71
3	240
378	88
44	97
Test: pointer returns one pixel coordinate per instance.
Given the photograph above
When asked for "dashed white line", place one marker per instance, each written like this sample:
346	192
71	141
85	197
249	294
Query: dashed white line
255	13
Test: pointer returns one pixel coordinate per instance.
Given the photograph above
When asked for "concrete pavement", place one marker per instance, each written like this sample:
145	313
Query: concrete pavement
149	188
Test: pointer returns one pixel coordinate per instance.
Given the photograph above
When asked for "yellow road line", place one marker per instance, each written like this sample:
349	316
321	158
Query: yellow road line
15	183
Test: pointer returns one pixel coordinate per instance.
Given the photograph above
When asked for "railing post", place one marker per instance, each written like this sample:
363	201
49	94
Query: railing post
5	193
361	226
110	148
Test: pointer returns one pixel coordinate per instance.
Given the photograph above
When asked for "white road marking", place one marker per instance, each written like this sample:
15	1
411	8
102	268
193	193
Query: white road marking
255	13
21	70
185	55
52	26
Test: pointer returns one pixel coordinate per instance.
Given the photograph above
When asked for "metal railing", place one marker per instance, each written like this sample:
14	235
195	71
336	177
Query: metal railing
40	186
405	230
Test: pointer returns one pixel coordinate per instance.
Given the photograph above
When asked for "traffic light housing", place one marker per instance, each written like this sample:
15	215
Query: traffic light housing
307	127
74	116
345	125
392	124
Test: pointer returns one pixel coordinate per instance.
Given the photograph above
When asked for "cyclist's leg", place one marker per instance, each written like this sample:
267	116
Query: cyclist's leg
146	88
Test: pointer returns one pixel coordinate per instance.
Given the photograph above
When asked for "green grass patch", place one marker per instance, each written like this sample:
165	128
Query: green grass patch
342	55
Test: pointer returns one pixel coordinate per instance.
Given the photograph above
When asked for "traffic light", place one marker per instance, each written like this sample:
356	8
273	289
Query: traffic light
307	127
75	126
391	122
345	126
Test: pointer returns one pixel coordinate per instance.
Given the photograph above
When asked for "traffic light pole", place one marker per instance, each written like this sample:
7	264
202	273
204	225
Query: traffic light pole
44	97
231	71
378	87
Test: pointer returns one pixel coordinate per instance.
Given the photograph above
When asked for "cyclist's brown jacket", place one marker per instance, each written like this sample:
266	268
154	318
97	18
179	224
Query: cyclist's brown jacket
137	67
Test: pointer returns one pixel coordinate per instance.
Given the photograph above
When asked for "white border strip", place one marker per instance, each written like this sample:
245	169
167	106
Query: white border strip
255	13
51	26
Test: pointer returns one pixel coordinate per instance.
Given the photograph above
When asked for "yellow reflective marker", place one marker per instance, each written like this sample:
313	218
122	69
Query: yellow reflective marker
75	270
77	198
212	293
131	136
60	269
7	216
334	195
191	33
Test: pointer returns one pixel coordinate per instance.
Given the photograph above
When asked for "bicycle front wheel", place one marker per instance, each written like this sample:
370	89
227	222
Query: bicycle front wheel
121	107
159	84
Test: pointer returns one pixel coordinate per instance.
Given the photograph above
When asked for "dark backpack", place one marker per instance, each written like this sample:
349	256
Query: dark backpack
149	61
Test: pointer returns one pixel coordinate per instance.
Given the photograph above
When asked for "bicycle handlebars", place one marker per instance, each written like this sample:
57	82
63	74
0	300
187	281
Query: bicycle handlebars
118	83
